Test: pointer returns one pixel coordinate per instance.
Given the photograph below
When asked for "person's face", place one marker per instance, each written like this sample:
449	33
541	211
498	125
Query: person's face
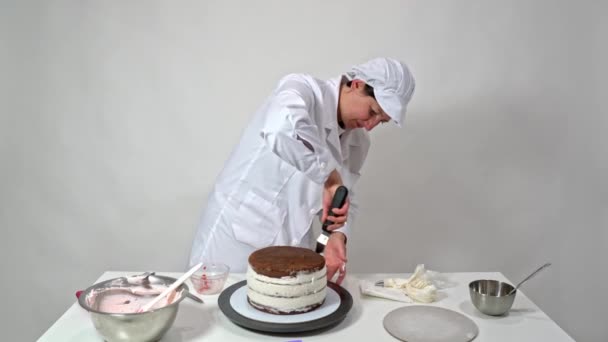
358	109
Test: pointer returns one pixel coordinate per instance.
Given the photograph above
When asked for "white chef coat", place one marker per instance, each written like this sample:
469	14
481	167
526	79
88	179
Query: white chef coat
271	187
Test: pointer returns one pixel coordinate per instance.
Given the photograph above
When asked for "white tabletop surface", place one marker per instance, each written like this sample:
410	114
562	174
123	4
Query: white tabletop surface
205	322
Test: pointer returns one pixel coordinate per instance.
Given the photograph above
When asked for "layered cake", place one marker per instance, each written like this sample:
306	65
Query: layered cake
286	280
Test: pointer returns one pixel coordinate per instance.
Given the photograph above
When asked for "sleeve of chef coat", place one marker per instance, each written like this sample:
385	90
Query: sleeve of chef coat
350	173
353	211
291	133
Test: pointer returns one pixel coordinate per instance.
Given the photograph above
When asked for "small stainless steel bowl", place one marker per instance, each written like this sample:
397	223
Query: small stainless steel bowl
146	326
490	296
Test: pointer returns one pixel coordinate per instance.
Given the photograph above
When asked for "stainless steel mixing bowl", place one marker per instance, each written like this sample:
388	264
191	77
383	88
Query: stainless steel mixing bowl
134	327
491	296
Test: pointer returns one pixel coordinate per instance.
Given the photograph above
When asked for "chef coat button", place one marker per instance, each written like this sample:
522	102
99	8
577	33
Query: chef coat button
294	242
322	165
312	211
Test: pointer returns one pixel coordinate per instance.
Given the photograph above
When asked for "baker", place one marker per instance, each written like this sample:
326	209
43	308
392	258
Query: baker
309	137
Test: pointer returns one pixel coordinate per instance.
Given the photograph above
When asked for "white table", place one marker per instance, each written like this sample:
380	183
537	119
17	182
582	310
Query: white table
205	322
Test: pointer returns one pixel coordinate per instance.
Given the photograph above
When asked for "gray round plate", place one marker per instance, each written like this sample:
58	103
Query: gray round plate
420	323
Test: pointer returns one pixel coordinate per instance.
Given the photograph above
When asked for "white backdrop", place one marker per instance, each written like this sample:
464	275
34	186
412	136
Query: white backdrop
117	116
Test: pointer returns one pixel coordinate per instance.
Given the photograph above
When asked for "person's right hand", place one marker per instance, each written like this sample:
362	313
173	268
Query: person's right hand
339	215
335	257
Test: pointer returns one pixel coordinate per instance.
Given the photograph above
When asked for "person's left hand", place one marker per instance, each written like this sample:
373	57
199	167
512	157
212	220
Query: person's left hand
335	257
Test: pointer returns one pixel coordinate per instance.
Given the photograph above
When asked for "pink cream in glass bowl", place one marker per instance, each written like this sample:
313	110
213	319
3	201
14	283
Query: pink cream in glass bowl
210	278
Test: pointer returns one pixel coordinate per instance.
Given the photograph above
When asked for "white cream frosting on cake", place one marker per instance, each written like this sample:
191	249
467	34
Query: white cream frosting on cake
290	294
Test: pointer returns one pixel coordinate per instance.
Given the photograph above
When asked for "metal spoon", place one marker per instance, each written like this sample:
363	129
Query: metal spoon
530	276
144	280
194	298
141	279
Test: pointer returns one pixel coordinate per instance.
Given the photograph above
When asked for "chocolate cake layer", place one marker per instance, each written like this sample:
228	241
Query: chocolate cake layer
279	312
285	261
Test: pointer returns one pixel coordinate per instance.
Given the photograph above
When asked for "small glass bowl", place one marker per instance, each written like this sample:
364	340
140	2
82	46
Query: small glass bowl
210	278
